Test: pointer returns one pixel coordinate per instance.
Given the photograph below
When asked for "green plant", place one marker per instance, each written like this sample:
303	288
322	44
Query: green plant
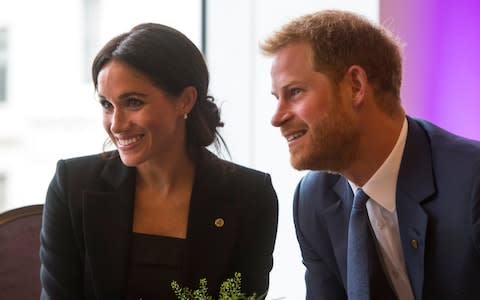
229	290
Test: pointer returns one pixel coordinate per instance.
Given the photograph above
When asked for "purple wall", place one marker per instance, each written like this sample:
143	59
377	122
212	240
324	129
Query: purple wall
441	55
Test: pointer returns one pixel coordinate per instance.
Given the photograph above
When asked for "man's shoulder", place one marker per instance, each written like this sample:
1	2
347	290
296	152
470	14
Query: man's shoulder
445	144
319	186
441	137
319	179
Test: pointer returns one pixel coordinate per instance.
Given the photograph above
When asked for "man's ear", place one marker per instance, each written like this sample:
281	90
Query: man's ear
356	80
187	100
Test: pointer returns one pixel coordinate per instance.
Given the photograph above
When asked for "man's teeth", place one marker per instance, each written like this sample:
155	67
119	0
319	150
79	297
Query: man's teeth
294	136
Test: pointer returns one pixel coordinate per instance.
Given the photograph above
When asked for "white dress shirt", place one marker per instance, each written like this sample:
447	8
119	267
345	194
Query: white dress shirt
382	212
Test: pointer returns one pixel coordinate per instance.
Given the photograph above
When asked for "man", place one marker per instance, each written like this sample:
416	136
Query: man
337	79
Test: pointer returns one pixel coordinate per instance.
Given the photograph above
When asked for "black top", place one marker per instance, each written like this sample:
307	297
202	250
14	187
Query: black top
155	261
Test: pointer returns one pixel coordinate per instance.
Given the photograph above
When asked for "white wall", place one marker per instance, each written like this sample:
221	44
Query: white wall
241	84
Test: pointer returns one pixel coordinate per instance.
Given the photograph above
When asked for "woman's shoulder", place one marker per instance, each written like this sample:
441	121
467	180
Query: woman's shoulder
228	168
92	160
232	176
90	166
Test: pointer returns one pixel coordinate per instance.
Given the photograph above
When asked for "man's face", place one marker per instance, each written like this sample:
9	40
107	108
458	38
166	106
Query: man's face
315	116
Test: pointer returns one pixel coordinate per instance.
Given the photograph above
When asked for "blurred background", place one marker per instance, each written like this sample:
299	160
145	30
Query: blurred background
48	109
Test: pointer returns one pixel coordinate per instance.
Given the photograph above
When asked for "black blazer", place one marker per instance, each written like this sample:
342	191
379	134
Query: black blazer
438	209
88	216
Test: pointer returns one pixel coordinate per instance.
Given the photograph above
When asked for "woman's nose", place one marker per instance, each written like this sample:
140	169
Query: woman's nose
119	121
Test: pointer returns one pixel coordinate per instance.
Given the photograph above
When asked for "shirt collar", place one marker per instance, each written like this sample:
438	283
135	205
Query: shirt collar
382	186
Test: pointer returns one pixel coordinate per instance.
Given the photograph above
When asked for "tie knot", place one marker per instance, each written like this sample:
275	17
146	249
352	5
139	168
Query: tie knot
360	199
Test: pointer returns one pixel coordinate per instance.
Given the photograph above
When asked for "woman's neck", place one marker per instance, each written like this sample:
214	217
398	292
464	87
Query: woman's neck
167	174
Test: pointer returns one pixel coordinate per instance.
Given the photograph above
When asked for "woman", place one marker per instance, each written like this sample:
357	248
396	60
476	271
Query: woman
125	224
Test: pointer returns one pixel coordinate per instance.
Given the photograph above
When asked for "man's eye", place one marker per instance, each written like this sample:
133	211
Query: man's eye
295	91
105	104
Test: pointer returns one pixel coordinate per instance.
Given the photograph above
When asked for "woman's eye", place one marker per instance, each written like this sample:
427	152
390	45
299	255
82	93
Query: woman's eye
134	102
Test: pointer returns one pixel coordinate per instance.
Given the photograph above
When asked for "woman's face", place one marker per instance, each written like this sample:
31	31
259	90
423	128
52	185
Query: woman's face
144	123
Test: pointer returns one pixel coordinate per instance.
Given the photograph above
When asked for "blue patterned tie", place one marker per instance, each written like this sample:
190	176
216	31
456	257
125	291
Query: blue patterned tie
357	251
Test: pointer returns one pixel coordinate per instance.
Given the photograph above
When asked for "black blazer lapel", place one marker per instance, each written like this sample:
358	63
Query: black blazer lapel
212	225
206	206
108	217
415	185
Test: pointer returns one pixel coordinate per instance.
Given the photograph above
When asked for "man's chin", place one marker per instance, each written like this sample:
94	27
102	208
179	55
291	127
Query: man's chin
311	165
300	164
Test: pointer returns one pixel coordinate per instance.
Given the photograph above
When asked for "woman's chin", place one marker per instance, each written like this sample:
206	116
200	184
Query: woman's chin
128	160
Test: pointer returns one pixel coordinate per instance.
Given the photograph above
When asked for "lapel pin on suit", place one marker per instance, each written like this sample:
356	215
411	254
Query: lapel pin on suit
219	222
414	244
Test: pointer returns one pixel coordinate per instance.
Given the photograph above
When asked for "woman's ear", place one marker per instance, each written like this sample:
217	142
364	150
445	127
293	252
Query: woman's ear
356	80
187	100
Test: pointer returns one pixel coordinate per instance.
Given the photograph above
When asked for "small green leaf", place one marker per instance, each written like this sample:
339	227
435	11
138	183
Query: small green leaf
230	289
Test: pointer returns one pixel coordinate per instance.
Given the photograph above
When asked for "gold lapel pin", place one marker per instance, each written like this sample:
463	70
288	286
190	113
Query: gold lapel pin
219	222
414	244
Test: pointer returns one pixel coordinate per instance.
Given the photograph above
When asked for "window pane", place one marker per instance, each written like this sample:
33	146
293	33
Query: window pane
50	111
3	64
2	191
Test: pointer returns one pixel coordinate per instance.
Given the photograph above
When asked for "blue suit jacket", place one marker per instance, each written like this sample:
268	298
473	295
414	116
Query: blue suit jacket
87	228
438	205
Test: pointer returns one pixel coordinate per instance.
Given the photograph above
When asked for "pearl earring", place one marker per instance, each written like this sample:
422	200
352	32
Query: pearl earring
185	116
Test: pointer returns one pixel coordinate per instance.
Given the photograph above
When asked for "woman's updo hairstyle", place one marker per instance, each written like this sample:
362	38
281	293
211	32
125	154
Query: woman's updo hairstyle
172	62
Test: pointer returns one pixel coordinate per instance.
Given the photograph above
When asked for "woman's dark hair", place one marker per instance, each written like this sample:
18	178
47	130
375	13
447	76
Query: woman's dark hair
172	62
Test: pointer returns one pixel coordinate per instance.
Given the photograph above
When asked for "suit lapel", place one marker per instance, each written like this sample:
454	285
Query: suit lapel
206	206
415	185
108	216
336	218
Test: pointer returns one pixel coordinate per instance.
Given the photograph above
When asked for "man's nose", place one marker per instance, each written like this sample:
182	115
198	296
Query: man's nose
281	114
